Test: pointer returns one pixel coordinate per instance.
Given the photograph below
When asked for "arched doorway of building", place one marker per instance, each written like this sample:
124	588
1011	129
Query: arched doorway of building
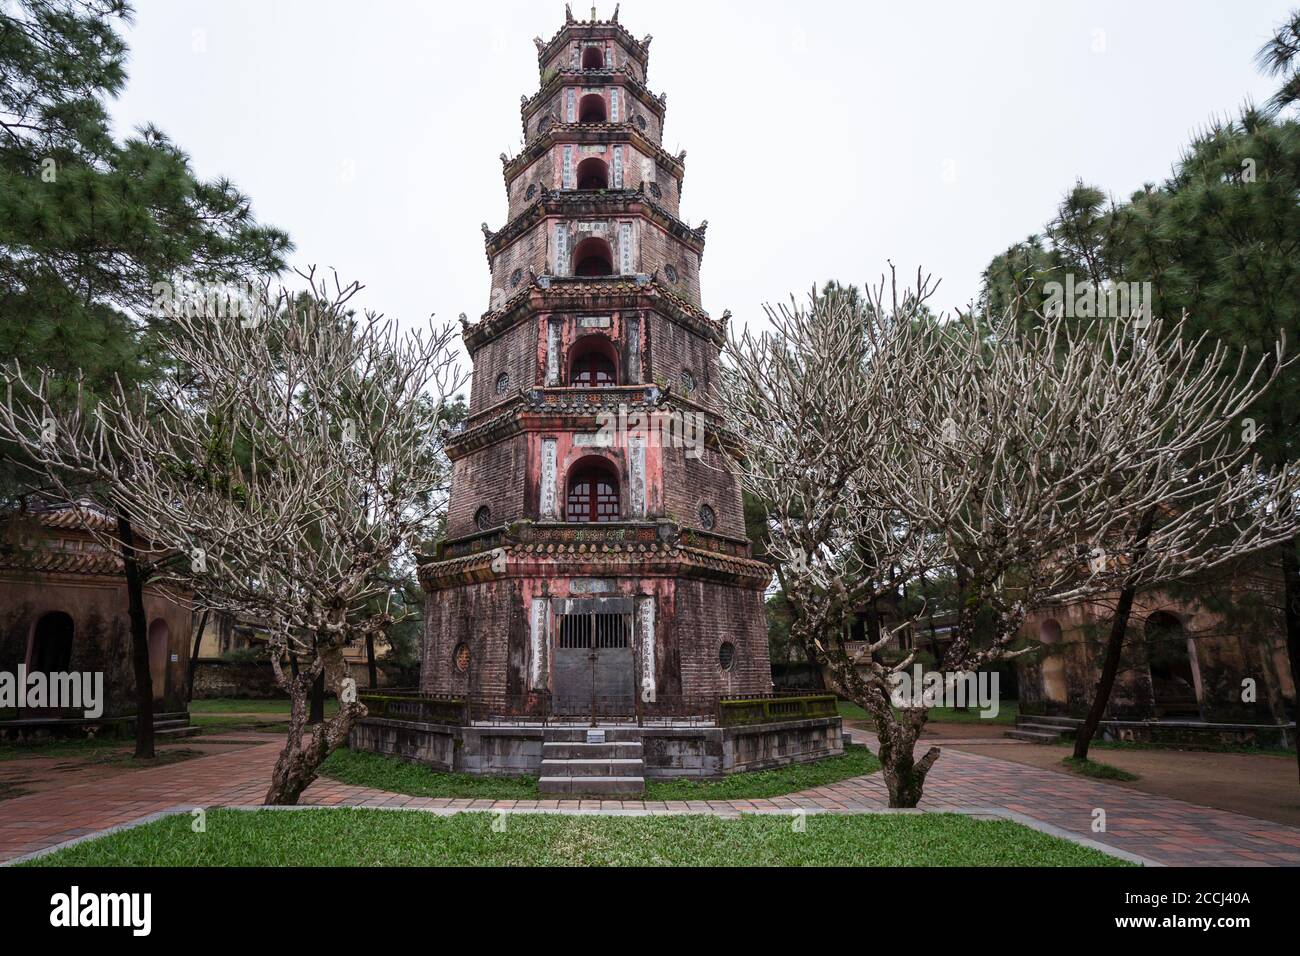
1173	680
159	648
592	492
593	173
593	257
593	58
1053	664
591	109
594	363
51	650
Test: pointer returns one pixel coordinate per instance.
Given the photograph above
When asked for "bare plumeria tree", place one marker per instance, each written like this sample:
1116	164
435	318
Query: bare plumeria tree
283	467
1034	467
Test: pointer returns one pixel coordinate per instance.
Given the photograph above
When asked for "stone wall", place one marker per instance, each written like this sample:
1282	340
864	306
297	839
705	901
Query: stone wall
669	752
101	641
240	679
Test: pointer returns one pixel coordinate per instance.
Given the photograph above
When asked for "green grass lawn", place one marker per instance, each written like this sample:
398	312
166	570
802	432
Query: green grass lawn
400	776
361	837
1007	713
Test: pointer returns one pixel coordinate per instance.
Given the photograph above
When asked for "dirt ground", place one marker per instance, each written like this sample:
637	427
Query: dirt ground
1259	786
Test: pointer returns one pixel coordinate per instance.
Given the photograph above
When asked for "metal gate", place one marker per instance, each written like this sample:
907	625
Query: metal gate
594	666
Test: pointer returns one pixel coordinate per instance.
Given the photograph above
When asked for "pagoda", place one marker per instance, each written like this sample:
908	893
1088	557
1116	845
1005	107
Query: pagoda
596	563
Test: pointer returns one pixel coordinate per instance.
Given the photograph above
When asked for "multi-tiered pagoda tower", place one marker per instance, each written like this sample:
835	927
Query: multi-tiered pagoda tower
596	558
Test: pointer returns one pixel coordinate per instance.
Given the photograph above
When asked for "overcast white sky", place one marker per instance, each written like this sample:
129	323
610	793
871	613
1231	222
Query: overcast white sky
824	136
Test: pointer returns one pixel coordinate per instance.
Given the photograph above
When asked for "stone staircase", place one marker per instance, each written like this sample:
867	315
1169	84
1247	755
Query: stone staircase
173	726
1043	730
592	762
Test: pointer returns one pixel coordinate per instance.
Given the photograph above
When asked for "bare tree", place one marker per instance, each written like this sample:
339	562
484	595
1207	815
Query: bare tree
1034	467
286	463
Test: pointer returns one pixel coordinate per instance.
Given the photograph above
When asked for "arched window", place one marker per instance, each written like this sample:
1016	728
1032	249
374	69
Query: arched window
591	109
593	58
593	257
593	493
52	643
594	363
1173	682
593	174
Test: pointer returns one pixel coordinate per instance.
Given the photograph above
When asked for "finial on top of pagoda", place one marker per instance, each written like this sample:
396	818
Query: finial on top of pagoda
615	17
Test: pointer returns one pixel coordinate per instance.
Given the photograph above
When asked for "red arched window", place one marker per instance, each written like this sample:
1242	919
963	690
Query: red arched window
593	58
593	364
593	174
591	109
593	257
593	495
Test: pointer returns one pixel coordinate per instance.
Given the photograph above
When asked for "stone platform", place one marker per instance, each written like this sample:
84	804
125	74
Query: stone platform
665	749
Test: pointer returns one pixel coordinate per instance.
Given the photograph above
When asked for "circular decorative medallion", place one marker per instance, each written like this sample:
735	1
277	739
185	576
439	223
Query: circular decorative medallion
656	191
727	655
461	657
531	191
483	518
671	272
503	383
708	519
544	123
640	121
516	277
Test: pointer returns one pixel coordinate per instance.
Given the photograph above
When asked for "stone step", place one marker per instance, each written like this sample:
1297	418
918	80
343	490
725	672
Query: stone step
580	751
1065	723
169	724
593	768
578	735
1035	727
592	786
1033	736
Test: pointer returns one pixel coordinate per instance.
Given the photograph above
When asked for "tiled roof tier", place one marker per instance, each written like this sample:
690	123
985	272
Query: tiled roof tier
529	106
45	561
561	293
664	549
593	29
592	133
544	409
604	202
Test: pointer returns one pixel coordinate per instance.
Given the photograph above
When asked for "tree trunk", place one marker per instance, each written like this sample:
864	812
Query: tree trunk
1114	650
139	641
1291	589
308	745
373	671
194	656
904	774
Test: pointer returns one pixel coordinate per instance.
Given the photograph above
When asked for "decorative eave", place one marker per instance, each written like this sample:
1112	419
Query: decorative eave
572	202
609	29
642	549
613	293
574	409
530	106
599	133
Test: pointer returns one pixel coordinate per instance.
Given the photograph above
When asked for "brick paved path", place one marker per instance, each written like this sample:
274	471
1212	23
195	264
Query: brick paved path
1167	831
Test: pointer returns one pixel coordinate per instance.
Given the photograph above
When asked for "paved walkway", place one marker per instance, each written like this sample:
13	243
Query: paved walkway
1158	828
